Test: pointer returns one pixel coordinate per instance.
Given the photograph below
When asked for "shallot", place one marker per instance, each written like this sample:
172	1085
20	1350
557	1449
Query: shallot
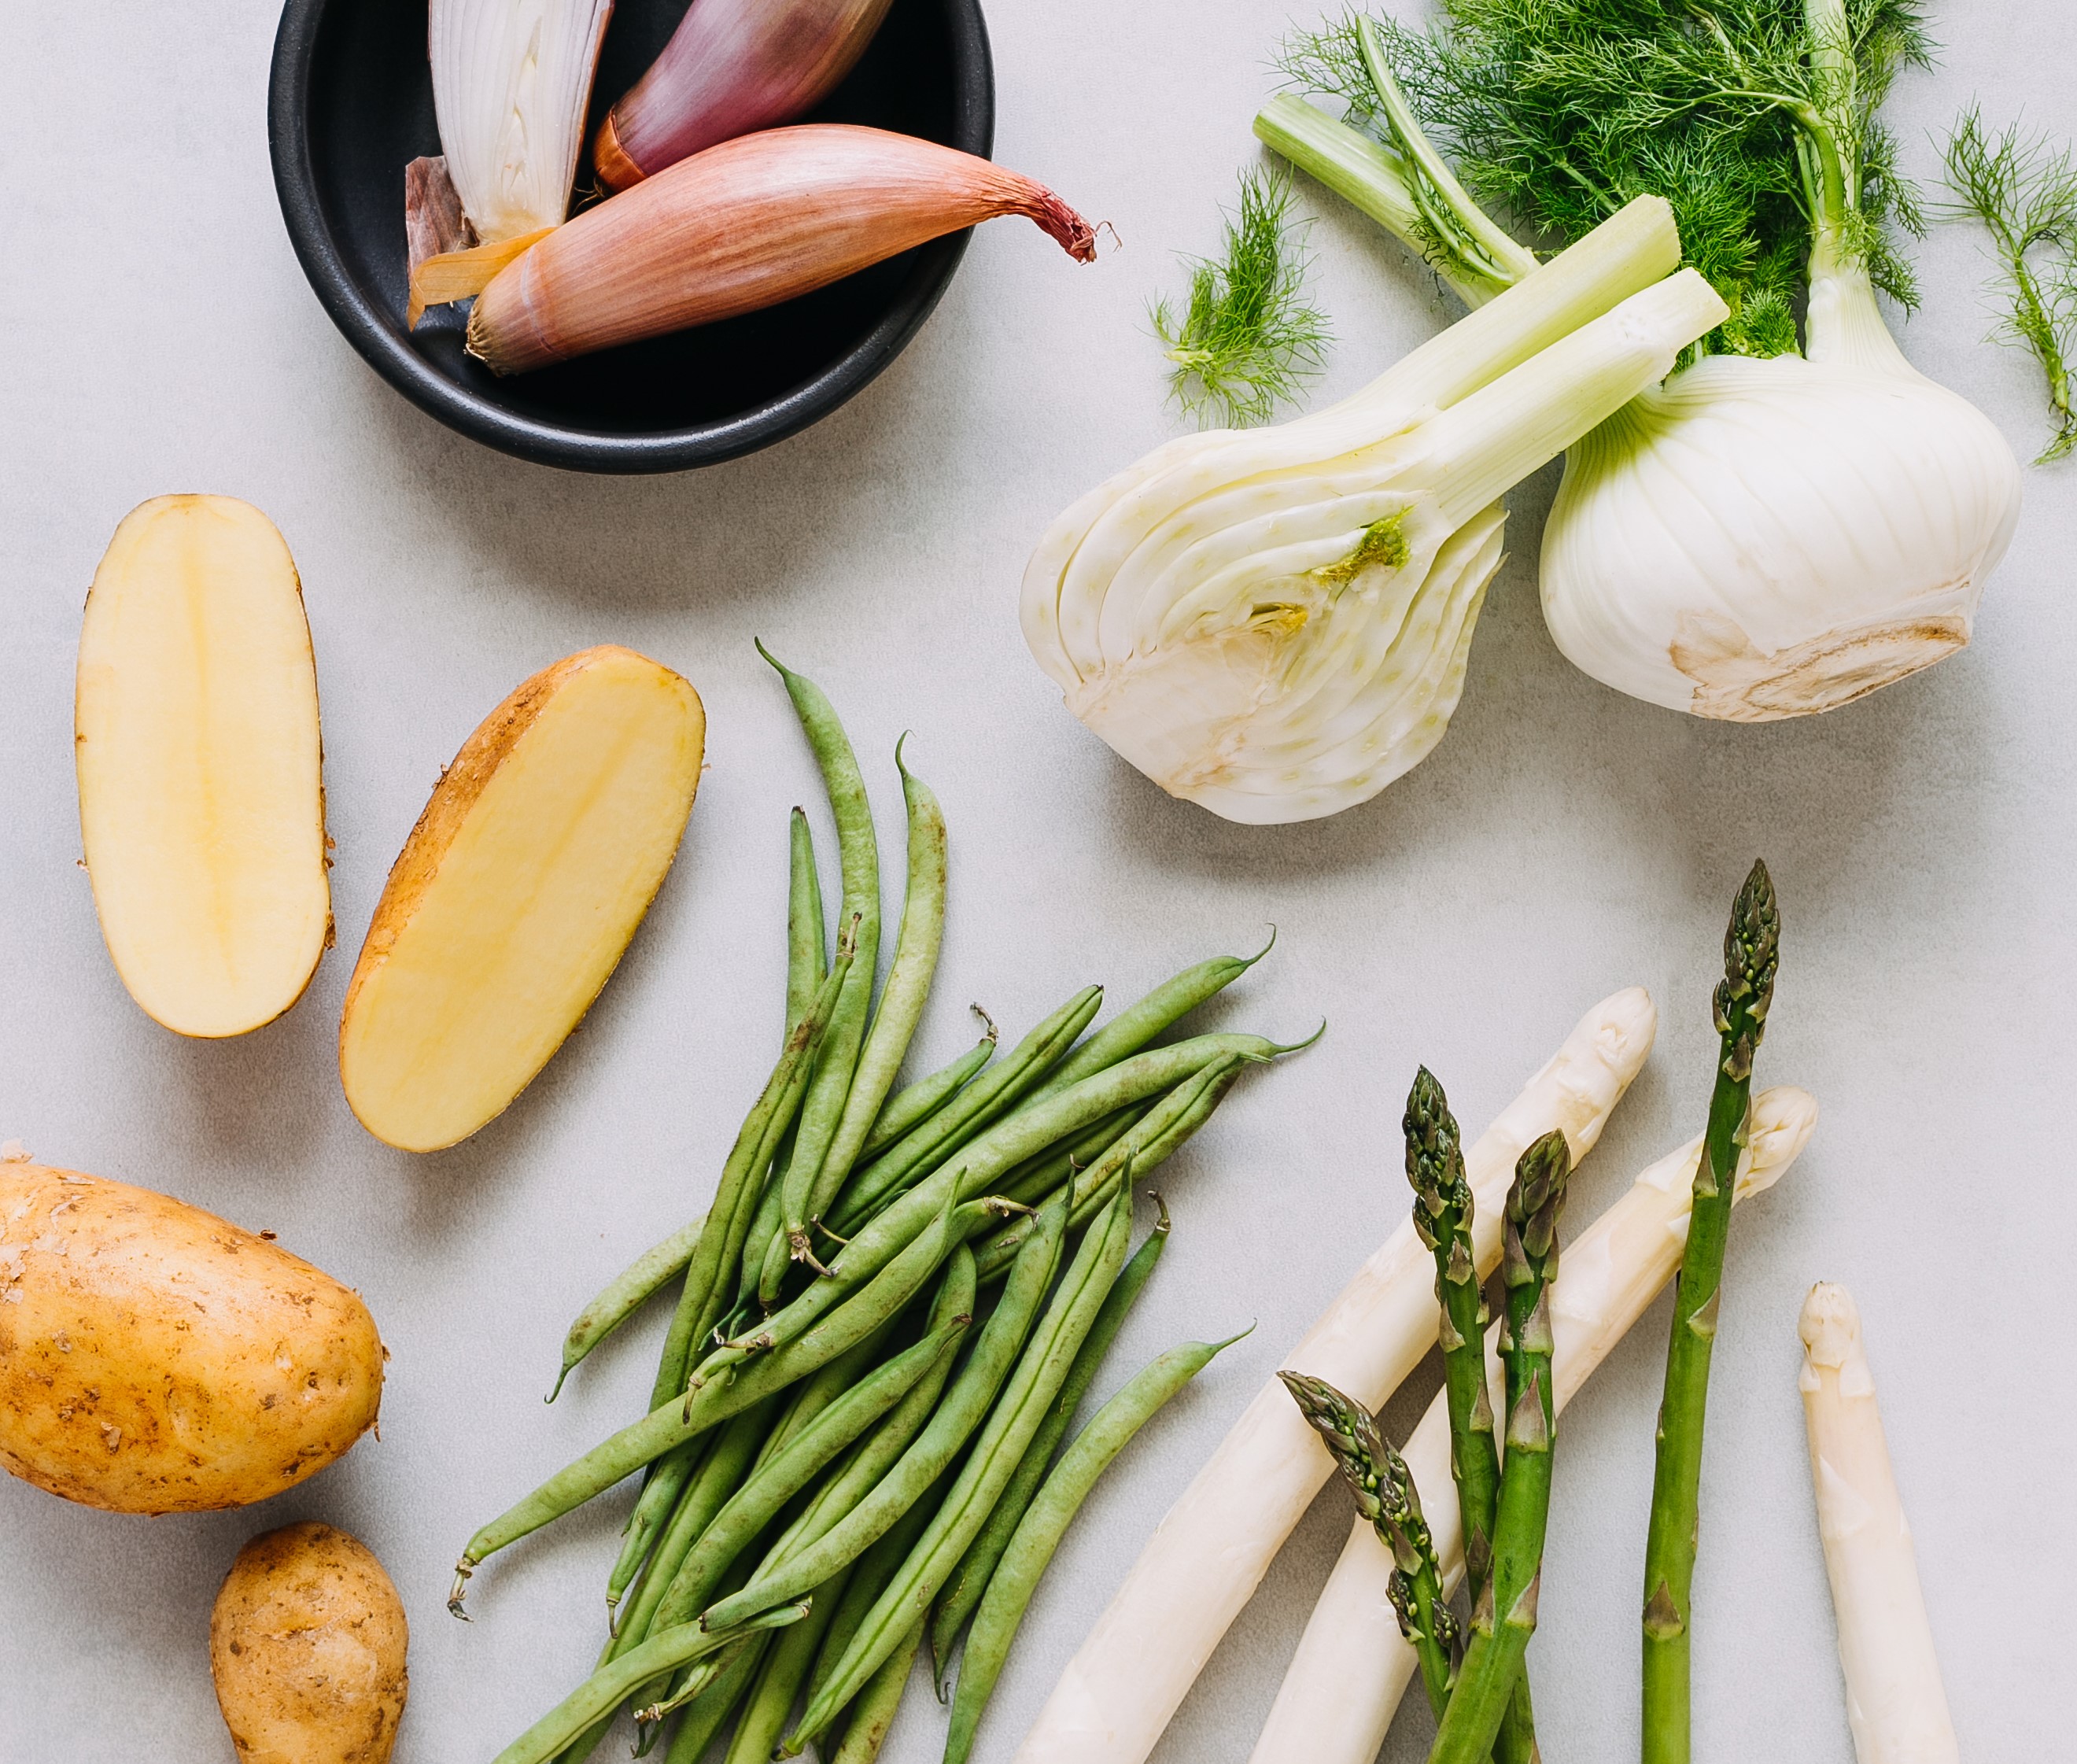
741	227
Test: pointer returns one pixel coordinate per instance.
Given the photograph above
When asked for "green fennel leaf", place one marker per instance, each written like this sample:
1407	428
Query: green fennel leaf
2023	187
1758	132
1247	336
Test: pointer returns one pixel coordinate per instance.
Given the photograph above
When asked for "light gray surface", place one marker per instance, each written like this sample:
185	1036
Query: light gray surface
158	336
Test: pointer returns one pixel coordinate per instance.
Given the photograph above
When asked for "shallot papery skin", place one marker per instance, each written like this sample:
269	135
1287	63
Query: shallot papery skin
730	67
741	227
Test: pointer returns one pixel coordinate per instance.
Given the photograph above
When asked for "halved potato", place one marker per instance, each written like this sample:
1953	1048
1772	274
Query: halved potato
201	789
513	898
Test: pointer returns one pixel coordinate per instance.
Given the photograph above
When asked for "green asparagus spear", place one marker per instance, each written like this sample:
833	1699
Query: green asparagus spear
1386	1497
1751	947
1505	1617
1442	1216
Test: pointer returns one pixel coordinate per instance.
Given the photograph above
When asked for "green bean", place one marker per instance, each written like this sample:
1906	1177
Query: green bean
1133	1027
1028	1131
917	1102
922	1216
1035	1178
965	1408
714	1401
624	1295
790	1469
766	1226
713	1705
661	1493
874	1456
817	1392
693	1319
1010	1591
786	1669
908	987
720	1472
806	964
1196	1100
963	1590
605	1689
702	1302
1040	1372
872	1712
859	859
982	1101
1171	1121
807	934
869	1576
736	1448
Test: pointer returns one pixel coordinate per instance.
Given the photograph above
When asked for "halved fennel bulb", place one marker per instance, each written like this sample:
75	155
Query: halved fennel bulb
1766	537
1273	623
511	82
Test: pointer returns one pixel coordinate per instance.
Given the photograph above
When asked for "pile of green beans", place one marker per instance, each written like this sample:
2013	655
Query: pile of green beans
885	1321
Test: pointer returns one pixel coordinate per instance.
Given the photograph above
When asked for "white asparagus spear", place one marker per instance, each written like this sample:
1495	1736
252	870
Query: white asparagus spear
1352	1665
1895	1702
1210	1553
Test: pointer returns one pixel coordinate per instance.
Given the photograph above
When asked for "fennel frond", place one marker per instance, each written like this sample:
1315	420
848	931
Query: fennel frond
2023	187
1247	336
1757	127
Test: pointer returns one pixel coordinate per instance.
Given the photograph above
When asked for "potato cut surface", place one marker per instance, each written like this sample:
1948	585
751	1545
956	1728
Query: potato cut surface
513	899
200	793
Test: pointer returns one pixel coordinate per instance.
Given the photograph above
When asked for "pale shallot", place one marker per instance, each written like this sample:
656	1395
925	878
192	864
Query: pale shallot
741	227
731	66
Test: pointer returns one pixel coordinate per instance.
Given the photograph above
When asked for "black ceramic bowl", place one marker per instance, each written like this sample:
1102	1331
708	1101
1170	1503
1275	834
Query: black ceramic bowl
351	101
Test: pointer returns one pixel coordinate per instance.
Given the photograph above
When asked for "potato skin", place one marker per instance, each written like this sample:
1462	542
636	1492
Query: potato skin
306	1644
155	1359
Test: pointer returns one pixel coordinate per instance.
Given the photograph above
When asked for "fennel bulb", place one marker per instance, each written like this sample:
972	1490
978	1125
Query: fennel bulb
1273	623
1767	537
1770	534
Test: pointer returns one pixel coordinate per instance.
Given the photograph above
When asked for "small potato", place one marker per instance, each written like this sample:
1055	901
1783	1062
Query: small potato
306	1644
154	1358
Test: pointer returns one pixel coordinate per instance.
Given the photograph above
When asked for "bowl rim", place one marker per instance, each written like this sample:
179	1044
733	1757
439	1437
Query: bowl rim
381	342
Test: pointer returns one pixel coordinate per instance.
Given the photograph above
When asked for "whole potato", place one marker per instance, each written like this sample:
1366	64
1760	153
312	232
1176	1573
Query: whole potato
155	1359
306	1644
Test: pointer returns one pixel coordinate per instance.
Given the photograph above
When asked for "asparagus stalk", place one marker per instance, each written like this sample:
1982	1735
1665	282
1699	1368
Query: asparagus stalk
1895	1701
1352	1665
1442	1214
1505	1617
1751	947
1199	1568
1386	1497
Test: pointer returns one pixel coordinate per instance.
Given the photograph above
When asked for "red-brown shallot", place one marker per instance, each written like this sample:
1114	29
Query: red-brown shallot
731	66
740	226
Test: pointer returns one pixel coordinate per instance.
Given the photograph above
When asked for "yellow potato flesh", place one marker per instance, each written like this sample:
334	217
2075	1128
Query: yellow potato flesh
516	893
201	793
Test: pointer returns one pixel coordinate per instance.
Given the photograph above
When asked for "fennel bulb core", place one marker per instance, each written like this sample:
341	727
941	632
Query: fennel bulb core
1771	538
